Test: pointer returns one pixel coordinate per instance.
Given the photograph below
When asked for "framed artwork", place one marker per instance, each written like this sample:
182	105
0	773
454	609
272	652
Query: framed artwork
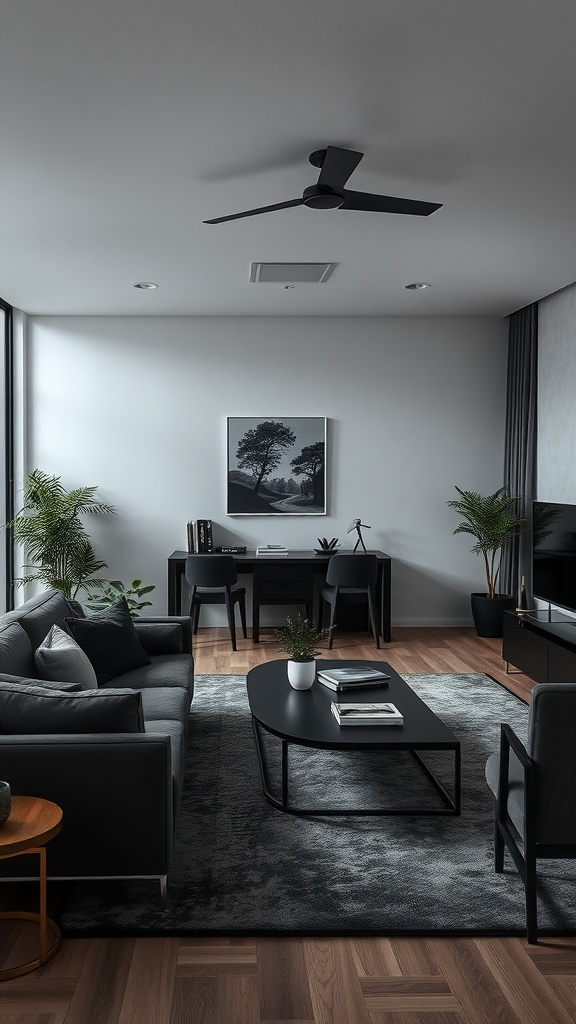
276	466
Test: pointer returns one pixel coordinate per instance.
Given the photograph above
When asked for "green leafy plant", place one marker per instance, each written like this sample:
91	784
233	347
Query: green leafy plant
493	521
49	526
300	638
115	590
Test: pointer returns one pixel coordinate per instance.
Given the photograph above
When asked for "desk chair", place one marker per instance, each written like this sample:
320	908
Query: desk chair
212	578
352	579
535	789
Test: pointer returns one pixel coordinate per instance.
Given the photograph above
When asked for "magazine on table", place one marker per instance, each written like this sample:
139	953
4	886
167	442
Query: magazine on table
366	714
361	684
352	675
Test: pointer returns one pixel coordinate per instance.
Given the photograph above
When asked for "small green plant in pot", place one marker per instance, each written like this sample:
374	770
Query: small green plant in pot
494	521
115	590
300	639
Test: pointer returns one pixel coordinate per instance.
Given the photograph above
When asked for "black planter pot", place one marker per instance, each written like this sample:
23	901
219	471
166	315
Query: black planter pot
488	612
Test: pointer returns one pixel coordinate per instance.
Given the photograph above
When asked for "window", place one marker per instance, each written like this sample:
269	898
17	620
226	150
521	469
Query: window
7	447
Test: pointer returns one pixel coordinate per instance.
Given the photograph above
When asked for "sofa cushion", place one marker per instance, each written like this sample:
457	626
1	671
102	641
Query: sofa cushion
162	670
165	703
39	614
16	654
31	710
110	641
60	658
44	684
160	637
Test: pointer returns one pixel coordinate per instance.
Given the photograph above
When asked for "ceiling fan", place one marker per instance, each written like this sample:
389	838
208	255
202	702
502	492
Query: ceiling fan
336	166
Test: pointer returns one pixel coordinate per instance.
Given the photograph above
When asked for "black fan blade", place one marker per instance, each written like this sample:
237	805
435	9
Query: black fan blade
338	166
387	204
252	213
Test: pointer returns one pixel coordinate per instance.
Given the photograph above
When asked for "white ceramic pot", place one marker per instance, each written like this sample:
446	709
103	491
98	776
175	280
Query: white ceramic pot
301	674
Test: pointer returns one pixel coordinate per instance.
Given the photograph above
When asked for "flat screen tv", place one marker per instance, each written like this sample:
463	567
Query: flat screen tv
554	554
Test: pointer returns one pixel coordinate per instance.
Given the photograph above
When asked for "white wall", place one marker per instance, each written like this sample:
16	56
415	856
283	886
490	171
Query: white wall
138	406
556	472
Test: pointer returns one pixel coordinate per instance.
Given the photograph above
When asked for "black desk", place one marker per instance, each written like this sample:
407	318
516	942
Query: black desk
314	564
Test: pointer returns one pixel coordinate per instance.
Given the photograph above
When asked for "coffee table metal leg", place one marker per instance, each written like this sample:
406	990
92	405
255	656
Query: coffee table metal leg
451	802
282	804
284	774
458	779
262	765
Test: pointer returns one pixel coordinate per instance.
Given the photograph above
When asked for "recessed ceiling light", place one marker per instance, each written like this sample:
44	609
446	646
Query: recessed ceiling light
147	286
417	286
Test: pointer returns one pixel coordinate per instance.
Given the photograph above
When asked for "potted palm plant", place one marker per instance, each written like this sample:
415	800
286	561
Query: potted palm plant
57	548
493	520
299	639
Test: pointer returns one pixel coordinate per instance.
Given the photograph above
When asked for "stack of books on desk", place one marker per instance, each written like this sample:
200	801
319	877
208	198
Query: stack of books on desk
367	714
271	549
352	678
199	536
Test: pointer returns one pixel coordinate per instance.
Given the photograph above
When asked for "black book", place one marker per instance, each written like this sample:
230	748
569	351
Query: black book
209	541
202	536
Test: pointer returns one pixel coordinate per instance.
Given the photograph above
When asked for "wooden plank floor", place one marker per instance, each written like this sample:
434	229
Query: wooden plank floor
240	980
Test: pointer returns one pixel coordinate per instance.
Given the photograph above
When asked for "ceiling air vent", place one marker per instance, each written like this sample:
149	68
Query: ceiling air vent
290	273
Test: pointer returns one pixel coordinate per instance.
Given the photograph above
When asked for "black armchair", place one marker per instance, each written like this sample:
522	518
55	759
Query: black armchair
212	578
350	578
535	789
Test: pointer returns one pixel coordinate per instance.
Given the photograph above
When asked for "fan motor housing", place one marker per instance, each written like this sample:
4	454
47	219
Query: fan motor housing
320	197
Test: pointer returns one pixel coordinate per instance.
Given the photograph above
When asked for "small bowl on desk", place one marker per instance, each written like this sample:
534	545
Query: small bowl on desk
5	802
326	551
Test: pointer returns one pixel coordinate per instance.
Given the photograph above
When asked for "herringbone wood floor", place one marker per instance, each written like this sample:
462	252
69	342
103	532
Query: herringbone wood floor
306	981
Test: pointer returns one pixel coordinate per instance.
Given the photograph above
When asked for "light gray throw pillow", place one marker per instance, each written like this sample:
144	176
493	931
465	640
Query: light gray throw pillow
60	658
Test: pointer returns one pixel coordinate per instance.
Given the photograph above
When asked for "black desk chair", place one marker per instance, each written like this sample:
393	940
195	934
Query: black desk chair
535	789
212	578
351	579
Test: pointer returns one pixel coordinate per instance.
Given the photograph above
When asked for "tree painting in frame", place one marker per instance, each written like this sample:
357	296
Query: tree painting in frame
277	466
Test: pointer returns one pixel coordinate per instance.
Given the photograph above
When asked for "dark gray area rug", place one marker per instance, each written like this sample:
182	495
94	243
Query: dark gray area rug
242	867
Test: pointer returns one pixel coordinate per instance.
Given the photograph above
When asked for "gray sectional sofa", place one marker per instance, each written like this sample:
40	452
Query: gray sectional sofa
119	790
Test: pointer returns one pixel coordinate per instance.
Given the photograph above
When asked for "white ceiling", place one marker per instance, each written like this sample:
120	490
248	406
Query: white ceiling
125	123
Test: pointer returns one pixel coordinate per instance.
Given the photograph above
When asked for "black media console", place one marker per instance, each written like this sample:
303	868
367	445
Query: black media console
543	650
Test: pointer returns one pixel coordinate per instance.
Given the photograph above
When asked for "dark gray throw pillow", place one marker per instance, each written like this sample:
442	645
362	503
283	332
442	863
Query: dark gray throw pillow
33	711
110	641
43	684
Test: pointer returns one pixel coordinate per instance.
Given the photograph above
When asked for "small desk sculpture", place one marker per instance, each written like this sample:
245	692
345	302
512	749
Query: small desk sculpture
356	524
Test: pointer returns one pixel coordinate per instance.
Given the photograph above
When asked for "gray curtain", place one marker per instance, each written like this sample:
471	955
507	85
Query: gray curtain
520	440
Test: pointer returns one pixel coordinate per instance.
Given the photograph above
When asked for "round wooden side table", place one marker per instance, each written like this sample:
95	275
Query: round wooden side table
32	823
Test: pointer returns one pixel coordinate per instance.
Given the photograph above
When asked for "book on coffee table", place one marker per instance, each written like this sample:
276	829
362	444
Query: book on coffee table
366	714
362	684
350	678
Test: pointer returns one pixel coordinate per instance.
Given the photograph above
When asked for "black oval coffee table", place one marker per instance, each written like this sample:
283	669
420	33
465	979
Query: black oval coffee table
303	718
